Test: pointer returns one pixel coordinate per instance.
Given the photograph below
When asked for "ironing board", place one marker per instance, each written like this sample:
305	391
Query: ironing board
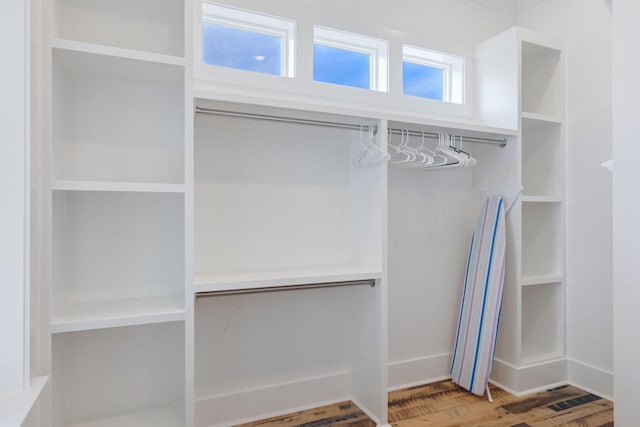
481	300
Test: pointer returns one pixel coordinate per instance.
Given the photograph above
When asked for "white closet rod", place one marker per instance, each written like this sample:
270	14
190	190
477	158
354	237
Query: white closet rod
370	282
351	126
341	125
500	142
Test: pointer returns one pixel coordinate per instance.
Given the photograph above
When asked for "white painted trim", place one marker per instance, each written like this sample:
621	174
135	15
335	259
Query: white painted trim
15	191
524	380
591	378
419	371
272	400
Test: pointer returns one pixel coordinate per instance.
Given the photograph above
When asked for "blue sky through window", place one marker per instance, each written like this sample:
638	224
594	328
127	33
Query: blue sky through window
422	80
341	66
243	49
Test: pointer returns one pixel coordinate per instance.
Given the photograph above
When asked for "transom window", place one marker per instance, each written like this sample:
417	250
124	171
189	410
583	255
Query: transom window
247	40
349	59
433	75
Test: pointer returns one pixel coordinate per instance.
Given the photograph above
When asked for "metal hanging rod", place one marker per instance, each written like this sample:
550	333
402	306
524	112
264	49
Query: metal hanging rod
501	142
364	127
369	282
340	125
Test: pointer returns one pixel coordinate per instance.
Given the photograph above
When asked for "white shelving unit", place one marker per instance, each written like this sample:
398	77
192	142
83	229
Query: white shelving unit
118	203
543	259
530	353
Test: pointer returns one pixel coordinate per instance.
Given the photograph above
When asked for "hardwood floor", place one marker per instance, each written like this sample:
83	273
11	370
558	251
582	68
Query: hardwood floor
445	404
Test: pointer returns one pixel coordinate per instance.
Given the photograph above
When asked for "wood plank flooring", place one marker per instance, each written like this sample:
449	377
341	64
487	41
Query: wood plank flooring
445	404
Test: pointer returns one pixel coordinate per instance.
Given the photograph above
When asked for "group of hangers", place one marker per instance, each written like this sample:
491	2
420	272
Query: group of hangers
448	153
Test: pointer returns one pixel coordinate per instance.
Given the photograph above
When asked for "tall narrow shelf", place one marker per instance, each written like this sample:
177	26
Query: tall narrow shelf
542	287
118	202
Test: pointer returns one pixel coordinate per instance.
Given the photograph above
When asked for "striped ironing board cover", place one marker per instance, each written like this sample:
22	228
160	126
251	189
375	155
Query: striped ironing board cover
481	300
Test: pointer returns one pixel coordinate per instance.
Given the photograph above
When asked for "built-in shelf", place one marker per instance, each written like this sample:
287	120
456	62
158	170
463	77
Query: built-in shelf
542	322
541	199
116	119
541	280
235	280
116	313
135	187
164	416
546	118
542	239
117	52
147	25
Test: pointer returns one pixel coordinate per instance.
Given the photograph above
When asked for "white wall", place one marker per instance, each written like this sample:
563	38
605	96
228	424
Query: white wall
13	184
585	26
626	210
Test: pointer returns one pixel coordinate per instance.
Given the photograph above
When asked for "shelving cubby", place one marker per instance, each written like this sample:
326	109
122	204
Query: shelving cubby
147	25
129	376
117	259
117	119
542	322
542	154
282	203
541	80
542	239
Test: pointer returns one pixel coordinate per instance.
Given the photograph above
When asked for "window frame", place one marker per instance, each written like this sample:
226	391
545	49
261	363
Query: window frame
453	85
376	49
230	17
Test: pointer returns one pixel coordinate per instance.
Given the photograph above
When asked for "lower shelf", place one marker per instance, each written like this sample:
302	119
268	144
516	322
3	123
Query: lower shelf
164	416
116	313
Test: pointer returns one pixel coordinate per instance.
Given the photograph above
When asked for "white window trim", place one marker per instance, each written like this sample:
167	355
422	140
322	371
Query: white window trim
377	49
453	66
284	28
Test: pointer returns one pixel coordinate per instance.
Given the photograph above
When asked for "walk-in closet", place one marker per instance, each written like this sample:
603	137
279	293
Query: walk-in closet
262	213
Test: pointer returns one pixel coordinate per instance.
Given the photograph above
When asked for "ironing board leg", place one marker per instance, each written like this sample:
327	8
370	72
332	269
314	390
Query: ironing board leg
489	394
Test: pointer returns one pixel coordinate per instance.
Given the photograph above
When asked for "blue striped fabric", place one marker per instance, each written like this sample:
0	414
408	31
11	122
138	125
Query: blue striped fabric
481	299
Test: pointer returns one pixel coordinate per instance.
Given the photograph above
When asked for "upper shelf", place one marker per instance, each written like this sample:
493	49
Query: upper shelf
155	26
544	118
117	52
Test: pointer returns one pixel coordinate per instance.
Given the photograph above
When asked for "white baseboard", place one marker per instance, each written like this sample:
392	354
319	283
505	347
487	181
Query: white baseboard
419	371
282	398
524	380
592	379
244	406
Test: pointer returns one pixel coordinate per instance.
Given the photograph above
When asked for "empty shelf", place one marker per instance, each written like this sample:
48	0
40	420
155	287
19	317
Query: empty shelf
541	199
117	52
535	117
115	313
140	187
541	280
